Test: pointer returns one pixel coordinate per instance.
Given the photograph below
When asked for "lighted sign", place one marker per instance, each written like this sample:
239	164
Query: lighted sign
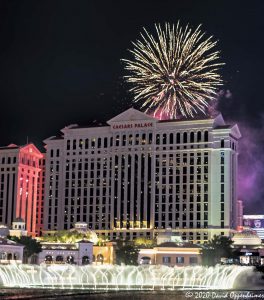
132	125
254	223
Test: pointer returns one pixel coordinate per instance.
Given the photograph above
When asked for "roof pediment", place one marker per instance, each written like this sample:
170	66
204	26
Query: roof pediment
131	115
236	132
31	148
219	121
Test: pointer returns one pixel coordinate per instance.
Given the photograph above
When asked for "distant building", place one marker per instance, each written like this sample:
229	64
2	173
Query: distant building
169	236
137	176
76	251
19	175
248	247
240	208
10	251
80	253
256	223
171	254
246	238
105	254
18	228
4	231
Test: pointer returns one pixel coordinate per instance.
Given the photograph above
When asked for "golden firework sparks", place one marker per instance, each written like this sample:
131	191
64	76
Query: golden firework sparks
174	73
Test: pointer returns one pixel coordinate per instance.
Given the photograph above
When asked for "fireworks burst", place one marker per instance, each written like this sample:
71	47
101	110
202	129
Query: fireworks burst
174	73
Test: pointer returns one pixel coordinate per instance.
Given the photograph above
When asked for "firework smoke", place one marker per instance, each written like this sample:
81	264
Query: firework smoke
251	168
174	73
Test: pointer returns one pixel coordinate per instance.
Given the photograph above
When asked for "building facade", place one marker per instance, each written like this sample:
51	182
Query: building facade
10	251
19	174
80	253
40	197
171	254
138	176
240	209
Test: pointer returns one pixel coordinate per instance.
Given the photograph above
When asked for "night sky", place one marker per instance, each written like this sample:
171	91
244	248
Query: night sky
60	64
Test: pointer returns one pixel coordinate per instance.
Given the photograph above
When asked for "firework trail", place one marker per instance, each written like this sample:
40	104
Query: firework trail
174	73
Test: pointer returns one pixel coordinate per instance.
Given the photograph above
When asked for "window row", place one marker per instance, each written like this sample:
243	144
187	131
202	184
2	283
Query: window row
137	139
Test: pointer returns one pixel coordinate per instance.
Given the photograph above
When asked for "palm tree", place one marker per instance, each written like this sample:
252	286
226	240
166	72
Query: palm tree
219	246
31	248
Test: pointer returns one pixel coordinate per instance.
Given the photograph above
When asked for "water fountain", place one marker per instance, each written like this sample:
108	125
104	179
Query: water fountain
115	277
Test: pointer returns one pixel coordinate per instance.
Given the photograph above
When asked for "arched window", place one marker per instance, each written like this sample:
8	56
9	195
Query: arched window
74	145
85	260
164	139
59	258
16	256
192	137
48	258
68	144
99	142
100	258
137	139
150	138
117	141
9	256
143	138
80	143
105	142
157	139
206	136
178	138
93	143
199	136
124	140
171	138
145	260
86	143
70	259
185	137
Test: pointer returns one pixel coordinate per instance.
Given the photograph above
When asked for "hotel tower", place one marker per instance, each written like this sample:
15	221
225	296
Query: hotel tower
138	176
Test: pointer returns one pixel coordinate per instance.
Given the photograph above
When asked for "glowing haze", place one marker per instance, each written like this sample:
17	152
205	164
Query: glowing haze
174	74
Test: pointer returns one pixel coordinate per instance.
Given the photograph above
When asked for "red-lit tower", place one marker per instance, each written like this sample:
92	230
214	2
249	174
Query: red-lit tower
19	175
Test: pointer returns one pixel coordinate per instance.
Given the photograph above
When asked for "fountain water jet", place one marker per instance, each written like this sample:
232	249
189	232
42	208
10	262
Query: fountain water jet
120	277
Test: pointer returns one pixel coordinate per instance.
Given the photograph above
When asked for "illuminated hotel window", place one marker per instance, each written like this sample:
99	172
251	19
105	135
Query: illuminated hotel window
157	139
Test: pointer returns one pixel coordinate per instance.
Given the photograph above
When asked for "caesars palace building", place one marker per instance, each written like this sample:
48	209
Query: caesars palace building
138	176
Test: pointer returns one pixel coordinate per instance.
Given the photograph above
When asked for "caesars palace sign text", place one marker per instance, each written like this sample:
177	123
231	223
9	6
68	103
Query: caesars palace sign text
133	126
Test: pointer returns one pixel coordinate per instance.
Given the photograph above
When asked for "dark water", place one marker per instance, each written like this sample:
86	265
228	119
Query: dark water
8	294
